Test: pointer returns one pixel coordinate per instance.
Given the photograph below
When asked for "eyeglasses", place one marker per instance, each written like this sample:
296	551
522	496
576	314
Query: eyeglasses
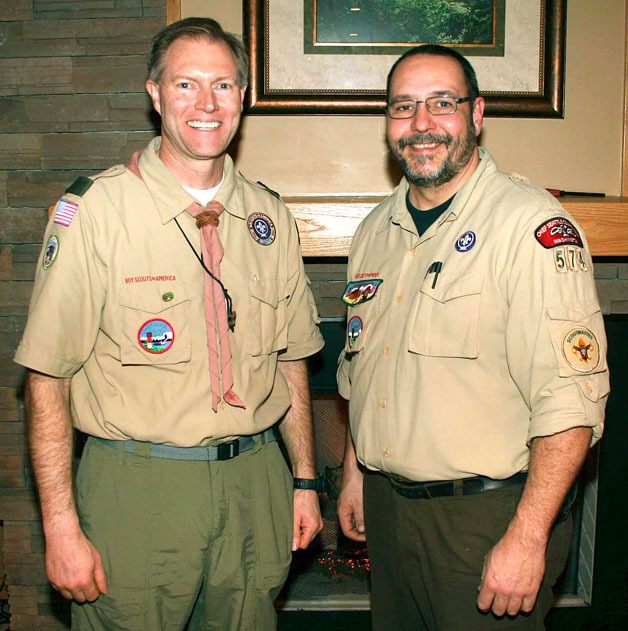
435	105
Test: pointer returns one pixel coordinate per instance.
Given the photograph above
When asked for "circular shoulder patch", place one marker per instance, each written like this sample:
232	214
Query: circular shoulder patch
581	349
156	336
262	228
466	241
50	252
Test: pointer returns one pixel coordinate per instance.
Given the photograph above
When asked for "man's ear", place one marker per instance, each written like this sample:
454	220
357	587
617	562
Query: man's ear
478	114
153	90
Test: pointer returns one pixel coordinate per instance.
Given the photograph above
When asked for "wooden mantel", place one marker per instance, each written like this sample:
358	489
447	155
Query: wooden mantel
327	224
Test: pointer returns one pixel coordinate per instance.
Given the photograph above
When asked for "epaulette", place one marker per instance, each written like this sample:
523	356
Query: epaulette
270	190
80	186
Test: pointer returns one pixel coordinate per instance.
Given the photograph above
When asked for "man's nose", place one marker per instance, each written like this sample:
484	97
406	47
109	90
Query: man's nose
207	100
422	119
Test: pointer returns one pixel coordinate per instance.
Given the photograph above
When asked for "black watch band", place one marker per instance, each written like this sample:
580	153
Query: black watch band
309	484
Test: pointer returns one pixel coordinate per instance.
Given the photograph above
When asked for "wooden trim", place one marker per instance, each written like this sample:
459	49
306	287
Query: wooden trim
326	224
624	174
173	11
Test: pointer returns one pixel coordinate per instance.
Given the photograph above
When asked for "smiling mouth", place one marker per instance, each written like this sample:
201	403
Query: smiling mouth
425	142
425	145
203	125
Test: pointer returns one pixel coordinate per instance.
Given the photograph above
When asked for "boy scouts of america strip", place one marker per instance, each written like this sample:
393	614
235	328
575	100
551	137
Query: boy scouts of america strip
65	212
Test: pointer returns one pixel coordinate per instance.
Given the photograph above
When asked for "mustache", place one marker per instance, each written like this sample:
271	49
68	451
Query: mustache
418	139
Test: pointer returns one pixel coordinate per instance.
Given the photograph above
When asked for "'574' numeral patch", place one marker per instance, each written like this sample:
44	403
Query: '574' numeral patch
568	258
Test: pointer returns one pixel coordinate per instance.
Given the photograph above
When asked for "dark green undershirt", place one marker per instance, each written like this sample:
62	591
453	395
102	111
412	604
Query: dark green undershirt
423	219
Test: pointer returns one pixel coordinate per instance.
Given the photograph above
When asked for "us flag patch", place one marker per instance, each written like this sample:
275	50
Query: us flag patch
65	212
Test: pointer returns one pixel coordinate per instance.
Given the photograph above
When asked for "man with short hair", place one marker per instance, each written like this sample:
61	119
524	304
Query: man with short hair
181	320
475	368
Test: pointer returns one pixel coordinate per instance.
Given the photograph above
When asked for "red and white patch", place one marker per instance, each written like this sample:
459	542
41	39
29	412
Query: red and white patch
558	231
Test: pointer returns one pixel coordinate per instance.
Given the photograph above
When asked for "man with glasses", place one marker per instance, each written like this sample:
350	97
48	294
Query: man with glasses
475	368
185	511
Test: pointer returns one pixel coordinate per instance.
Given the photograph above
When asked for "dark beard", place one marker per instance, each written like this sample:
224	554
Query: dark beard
453	164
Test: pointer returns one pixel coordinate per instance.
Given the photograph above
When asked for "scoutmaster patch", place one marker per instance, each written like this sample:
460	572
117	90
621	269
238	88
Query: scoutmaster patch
357	292
156	336
50	252
354	330
262	228
558	231
581	349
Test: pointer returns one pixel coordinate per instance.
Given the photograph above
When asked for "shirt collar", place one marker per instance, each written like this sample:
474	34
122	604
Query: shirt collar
398	213
170	197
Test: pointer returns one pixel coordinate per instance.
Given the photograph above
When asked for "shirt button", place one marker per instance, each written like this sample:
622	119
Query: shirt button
589	388
387	453
383	403
386	350
400	298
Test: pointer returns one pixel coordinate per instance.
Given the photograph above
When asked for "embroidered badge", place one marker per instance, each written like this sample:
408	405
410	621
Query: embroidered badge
581	349
156	336
65	211
50	252
262	228
466	241
558	231
354	330
357	292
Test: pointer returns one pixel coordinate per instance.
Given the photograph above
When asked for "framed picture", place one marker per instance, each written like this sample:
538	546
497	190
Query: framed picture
333	56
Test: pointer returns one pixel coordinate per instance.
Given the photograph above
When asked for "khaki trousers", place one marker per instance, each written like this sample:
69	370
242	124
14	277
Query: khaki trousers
427	557
205	544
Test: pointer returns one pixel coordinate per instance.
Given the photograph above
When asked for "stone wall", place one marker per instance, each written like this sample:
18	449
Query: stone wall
72	102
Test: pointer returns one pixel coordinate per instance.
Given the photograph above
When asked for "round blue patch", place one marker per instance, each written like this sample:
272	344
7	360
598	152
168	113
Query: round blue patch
156	336
262	228
466	241
354	330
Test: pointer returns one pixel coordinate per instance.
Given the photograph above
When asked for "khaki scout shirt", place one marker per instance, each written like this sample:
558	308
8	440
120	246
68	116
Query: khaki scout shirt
451	375
122	262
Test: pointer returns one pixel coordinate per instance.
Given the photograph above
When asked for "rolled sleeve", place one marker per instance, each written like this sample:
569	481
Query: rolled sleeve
556	343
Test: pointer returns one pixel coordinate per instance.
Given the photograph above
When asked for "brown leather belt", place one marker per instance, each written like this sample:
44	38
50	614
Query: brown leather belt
447	488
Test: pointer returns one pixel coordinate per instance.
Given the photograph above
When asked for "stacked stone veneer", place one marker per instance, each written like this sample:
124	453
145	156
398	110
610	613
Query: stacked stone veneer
72	102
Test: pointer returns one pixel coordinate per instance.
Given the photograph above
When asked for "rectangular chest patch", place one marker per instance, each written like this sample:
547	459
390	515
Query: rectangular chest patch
65	211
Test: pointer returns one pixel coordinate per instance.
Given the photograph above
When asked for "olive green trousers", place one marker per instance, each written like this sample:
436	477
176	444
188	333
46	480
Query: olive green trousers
185	544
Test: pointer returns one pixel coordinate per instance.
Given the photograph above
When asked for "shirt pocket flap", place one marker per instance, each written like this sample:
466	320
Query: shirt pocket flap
153	297
468	285
270	292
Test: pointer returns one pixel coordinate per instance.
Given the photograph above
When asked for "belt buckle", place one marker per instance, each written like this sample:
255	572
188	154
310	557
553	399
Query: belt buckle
227	451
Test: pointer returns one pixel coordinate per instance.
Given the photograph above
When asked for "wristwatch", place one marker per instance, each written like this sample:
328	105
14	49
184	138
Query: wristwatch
308	484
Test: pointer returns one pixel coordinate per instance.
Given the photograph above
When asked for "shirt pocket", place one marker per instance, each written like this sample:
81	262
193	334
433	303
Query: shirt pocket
579	342
155	327
268	325
445	319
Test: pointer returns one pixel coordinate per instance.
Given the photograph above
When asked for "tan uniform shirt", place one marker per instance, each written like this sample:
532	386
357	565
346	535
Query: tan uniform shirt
451	374
122	262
